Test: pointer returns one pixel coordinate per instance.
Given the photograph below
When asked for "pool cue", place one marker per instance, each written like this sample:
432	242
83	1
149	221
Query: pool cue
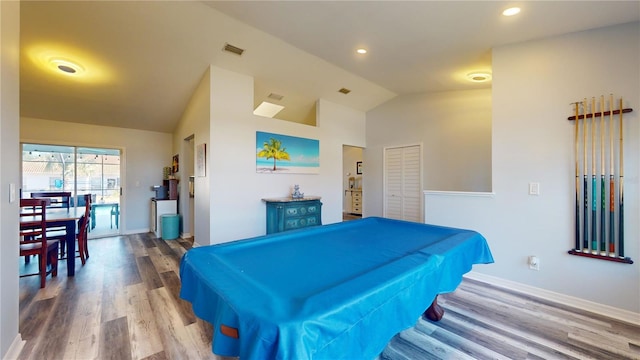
594	187
603	200
585	192
577	130
621	200
612	186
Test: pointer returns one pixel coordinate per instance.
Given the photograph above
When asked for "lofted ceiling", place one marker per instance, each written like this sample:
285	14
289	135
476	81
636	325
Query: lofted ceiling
142	60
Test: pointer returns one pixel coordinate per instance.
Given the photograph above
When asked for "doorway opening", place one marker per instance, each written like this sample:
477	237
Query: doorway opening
352	168
80	171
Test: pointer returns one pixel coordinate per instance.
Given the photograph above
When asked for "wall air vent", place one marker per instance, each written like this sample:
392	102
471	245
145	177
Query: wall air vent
233	49
275	96
344	91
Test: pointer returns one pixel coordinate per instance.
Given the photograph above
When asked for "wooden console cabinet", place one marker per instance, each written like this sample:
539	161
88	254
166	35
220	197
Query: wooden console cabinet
288	214
356	202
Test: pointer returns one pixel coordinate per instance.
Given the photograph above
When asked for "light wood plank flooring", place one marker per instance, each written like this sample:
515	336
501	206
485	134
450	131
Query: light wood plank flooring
124	304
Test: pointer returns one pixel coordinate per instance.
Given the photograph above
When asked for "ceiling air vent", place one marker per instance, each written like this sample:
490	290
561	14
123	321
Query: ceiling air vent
233	49
344	91
275	96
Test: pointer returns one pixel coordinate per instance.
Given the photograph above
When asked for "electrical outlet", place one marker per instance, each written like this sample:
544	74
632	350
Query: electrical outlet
534	263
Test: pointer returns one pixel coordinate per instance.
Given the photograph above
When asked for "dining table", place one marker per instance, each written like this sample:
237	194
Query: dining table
67	218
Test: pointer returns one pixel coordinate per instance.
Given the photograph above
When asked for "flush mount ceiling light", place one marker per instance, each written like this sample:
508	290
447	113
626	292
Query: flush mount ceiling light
69	62
267	109
66	67
511	11
344	91
361	51
479	76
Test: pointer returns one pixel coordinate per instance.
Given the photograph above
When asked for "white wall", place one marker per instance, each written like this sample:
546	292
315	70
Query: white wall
533	86
195	121
455	130
145	153
236	189
9	172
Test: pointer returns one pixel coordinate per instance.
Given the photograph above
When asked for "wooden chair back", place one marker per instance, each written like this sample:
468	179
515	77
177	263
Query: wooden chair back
58	199
33	221
83	229
87	216
33	237
81	199
87	203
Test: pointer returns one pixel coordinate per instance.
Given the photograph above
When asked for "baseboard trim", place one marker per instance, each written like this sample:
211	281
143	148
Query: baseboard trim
460	193
136	231
578	303
15	348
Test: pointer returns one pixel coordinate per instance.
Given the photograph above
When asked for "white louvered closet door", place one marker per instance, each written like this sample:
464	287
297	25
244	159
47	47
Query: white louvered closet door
403	183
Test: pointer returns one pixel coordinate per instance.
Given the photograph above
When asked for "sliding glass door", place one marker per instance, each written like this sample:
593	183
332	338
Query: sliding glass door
79	170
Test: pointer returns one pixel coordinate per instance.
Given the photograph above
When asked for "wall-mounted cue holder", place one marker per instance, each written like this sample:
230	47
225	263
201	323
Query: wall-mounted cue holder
599	183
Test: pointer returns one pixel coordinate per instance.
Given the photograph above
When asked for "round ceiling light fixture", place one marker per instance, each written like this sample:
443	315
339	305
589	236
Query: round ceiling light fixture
361	51
479	76
511	11
67	67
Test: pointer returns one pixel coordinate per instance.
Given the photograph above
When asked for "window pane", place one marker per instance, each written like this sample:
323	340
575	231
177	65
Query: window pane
47	168
99	174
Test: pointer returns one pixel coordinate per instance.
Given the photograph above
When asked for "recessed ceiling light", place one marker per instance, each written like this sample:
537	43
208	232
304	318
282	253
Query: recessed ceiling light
479	76
361	51
511	11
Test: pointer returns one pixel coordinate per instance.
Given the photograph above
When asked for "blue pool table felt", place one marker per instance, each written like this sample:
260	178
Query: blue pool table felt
328	292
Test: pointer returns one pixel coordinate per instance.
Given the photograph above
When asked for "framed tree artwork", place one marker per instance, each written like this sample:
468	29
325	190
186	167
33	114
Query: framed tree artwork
284	154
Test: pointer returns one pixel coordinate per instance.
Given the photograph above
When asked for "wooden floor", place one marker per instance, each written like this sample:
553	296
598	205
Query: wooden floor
124	304
349	216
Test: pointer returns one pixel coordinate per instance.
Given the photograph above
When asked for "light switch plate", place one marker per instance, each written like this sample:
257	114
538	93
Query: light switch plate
12	192
534	188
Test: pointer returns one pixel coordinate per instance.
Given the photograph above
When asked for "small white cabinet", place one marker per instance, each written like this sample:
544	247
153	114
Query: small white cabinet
356	202
159	208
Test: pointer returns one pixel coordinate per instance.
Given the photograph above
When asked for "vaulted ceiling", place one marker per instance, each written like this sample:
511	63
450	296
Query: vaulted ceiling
141	60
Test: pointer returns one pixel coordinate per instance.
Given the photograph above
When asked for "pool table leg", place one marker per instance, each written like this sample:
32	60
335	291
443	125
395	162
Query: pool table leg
435	311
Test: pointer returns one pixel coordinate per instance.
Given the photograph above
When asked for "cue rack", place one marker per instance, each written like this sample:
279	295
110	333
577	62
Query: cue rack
599	182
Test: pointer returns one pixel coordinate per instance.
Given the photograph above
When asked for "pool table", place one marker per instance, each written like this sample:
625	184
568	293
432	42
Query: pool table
335	291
